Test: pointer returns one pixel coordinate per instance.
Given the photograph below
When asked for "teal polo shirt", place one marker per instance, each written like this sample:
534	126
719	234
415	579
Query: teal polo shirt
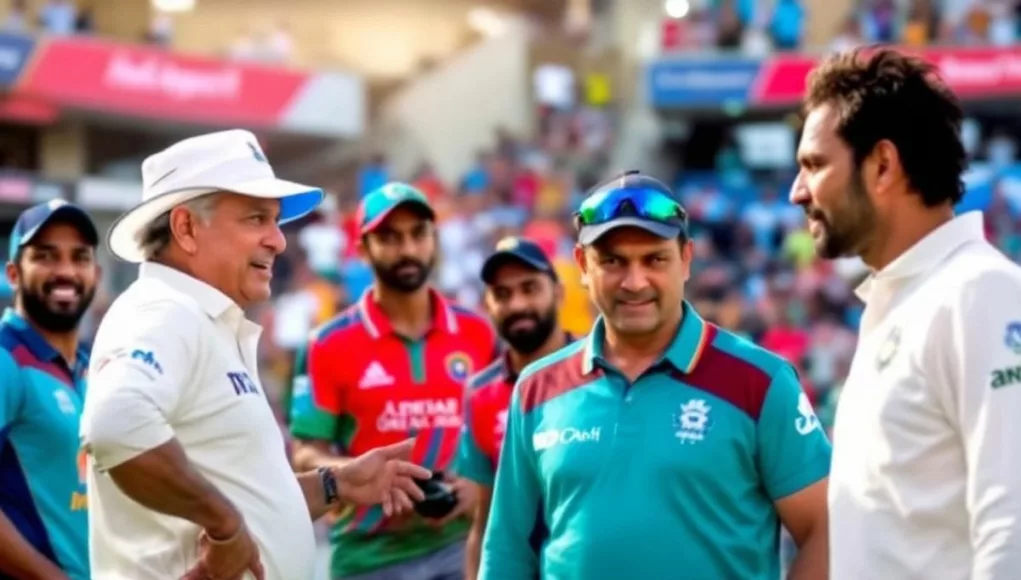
672	476
42	470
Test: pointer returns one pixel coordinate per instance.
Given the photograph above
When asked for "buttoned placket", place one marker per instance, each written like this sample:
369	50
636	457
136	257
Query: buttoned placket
246	338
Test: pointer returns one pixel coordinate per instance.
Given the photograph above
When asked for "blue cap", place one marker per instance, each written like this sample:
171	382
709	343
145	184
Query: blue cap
34	219
520	251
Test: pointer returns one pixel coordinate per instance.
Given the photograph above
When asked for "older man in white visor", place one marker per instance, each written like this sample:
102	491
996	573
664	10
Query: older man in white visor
188	476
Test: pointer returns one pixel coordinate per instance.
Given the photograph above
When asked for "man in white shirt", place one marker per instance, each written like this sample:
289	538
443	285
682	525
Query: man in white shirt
188	476
925	481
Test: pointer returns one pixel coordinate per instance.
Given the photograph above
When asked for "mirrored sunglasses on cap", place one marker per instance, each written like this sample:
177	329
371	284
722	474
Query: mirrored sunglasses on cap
642	202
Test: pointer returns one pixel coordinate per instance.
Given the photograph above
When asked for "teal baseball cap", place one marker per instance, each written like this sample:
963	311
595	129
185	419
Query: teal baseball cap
381	202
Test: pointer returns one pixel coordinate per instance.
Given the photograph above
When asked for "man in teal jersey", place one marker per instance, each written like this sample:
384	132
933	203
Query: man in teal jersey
43	501
660	446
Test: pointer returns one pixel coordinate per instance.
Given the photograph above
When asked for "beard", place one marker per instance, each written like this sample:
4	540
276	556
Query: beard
411	280
61	318
848	230
531	339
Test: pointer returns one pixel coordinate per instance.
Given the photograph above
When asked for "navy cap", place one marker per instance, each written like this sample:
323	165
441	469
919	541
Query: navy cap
632	179
34	219
520	251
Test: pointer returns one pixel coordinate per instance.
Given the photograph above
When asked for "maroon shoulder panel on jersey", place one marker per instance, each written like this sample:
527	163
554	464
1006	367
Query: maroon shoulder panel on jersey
730	378
554	380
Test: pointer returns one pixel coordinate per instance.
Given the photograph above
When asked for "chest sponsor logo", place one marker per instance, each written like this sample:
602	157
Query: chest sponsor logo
242	383
1005	377
415	415
459	366
807	420
64	402
693	422
147	358
375	376
553	437
888	349
1012	337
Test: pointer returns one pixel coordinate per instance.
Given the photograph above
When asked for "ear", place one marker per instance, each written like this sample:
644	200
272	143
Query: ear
687	255
558	294
363	247
582	260
182	229
12	274
883	167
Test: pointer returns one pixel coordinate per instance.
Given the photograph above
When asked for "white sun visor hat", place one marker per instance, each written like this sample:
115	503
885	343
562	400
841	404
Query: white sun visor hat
224	161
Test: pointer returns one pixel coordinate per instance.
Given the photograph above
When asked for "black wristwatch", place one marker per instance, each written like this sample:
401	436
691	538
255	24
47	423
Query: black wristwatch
331	494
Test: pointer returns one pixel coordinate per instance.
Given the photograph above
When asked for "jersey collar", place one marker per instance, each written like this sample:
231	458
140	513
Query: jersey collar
214	302
683	354
377	324
38	346
507	368
927	253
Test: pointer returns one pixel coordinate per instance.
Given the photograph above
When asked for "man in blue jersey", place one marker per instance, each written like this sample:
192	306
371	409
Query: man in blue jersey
660	446
43	501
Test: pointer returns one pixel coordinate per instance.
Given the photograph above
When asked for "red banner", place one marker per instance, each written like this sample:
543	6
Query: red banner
145	81
970	72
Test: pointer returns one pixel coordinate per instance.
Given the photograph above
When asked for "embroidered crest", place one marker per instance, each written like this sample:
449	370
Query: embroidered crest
693	422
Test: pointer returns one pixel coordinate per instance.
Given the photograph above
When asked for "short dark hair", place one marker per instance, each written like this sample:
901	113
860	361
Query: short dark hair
883	94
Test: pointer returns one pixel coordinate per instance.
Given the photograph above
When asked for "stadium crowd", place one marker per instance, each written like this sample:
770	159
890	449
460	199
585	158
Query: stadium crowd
756	28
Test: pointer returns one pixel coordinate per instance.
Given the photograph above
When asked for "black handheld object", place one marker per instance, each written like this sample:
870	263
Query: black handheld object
439	500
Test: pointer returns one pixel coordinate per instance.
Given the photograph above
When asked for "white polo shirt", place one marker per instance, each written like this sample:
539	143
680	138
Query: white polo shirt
926	479
175	358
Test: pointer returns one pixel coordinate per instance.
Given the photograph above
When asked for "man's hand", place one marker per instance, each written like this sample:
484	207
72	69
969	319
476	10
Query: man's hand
227	559
382	476
467	495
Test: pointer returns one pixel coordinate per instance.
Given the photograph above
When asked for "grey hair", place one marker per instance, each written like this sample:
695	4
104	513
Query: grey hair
156	235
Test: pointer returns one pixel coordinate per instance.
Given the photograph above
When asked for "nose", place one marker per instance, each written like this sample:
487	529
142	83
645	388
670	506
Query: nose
66	269
275	240
799	193
408	247
517	303
635	279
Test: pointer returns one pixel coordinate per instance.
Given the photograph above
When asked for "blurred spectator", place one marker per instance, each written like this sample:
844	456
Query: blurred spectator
278	44
323	243
372	175
161	30
787	26
922	23
17	18
58	17
85	23
849	37
428	182
879	21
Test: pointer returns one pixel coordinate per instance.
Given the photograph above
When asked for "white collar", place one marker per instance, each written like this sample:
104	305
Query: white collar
928	252
214	302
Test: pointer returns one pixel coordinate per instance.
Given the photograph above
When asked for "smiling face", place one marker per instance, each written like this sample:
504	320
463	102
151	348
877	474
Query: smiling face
636	279
831	190
55	277
235	247
523	304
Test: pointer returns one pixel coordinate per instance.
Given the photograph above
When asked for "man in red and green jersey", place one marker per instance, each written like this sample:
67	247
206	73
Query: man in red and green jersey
523	297
390	367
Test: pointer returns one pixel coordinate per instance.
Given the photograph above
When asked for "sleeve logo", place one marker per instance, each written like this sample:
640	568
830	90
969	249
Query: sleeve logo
807	420
1012	338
